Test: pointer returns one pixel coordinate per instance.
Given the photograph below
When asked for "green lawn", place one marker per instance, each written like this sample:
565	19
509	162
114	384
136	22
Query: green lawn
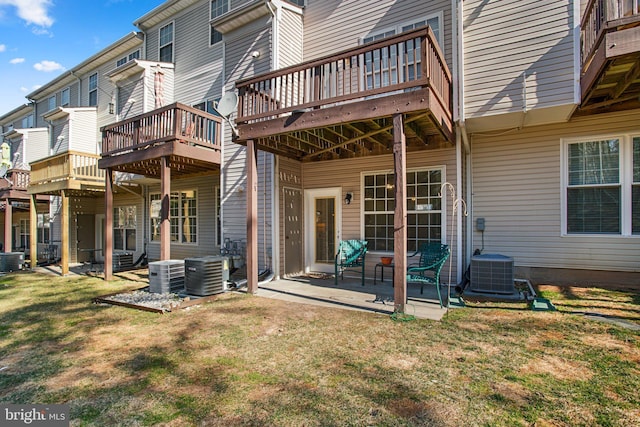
244	360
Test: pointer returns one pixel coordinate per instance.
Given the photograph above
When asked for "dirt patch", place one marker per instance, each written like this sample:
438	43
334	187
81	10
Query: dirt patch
513	392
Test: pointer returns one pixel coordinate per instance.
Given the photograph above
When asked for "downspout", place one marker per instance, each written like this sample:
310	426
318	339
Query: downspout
461	136
79	88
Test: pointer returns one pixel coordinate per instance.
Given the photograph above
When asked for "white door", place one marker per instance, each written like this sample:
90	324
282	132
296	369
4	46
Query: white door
322	227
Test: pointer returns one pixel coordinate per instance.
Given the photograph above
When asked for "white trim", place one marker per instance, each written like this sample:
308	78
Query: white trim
625	183
173	41
309	229
577	90
443	210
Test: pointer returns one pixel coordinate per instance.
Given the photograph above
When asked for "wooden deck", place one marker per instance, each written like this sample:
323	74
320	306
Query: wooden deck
189	138
74	172
341	106
610	75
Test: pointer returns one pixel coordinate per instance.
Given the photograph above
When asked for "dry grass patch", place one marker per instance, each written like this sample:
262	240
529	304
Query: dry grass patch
242	360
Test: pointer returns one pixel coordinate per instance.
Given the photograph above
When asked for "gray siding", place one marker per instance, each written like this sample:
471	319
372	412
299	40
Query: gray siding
517	190
333	25
198	64
291	38
239	64
518	56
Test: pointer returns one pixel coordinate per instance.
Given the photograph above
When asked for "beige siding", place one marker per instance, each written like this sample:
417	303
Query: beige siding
518	56
333	25
517	189
206	188
347	174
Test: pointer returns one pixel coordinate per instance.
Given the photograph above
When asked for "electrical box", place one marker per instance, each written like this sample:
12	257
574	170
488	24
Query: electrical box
480	224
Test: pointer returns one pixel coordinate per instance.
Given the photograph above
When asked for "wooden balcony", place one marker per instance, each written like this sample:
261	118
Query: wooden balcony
14	186
610	77
75	173
189	137
341	106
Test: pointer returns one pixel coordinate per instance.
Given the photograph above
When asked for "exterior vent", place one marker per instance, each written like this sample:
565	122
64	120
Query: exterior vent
11	261
122	260
166	276
492	273
206	276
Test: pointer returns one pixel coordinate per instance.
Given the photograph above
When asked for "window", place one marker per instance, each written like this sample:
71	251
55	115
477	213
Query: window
208	106
24	237
27	122
216	36
93	90
51	103
166	43
125	59
134	55
219	8
381	65
124	228
298	2
44	228
65	97
183	210
424	209
601	194
120	62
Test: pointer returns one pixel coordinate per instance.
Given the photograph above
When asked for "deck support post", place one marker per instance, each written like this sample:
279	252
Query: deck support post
400	214
8	214
33	230
108	225
252	217
165	223
65	233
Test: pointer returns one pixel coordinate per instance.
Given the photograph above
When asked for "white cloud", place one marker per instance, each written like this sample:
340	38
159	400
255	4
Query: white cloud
34	12
3	47
16	61
23	89
48	66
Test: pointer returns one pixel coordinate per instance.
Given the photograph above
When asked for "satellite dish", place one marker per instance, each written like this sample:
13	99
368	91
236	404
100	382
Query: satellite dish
227	104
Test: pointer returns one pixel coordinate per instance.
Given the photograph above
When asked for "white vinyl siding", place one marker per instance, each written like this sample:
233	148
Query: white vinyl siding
519	56
291	37
517	188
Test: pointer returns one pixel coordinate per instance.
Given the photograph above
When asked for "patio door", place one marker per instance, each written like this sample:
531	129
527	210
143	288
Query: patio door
322	224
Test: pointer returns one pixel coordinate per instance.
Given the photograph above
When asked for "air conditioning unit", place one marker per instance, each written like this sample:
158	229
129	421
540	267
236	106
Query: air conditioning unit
166	276
122	260
492	273
11	261
206	275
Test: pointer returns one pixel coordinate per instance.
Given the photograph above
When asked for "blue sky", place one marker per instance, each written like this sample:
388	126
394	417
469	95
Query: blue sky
39	39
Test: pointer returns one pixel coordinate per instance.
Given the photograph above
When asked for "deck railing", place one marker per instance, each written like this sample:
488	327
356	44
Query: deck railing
67	166
598	17
17	179
408	60
170	123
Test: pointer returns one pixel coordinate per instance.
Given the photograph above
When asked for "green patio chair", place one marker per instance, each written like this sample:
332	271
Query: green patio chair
351	254
427	271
